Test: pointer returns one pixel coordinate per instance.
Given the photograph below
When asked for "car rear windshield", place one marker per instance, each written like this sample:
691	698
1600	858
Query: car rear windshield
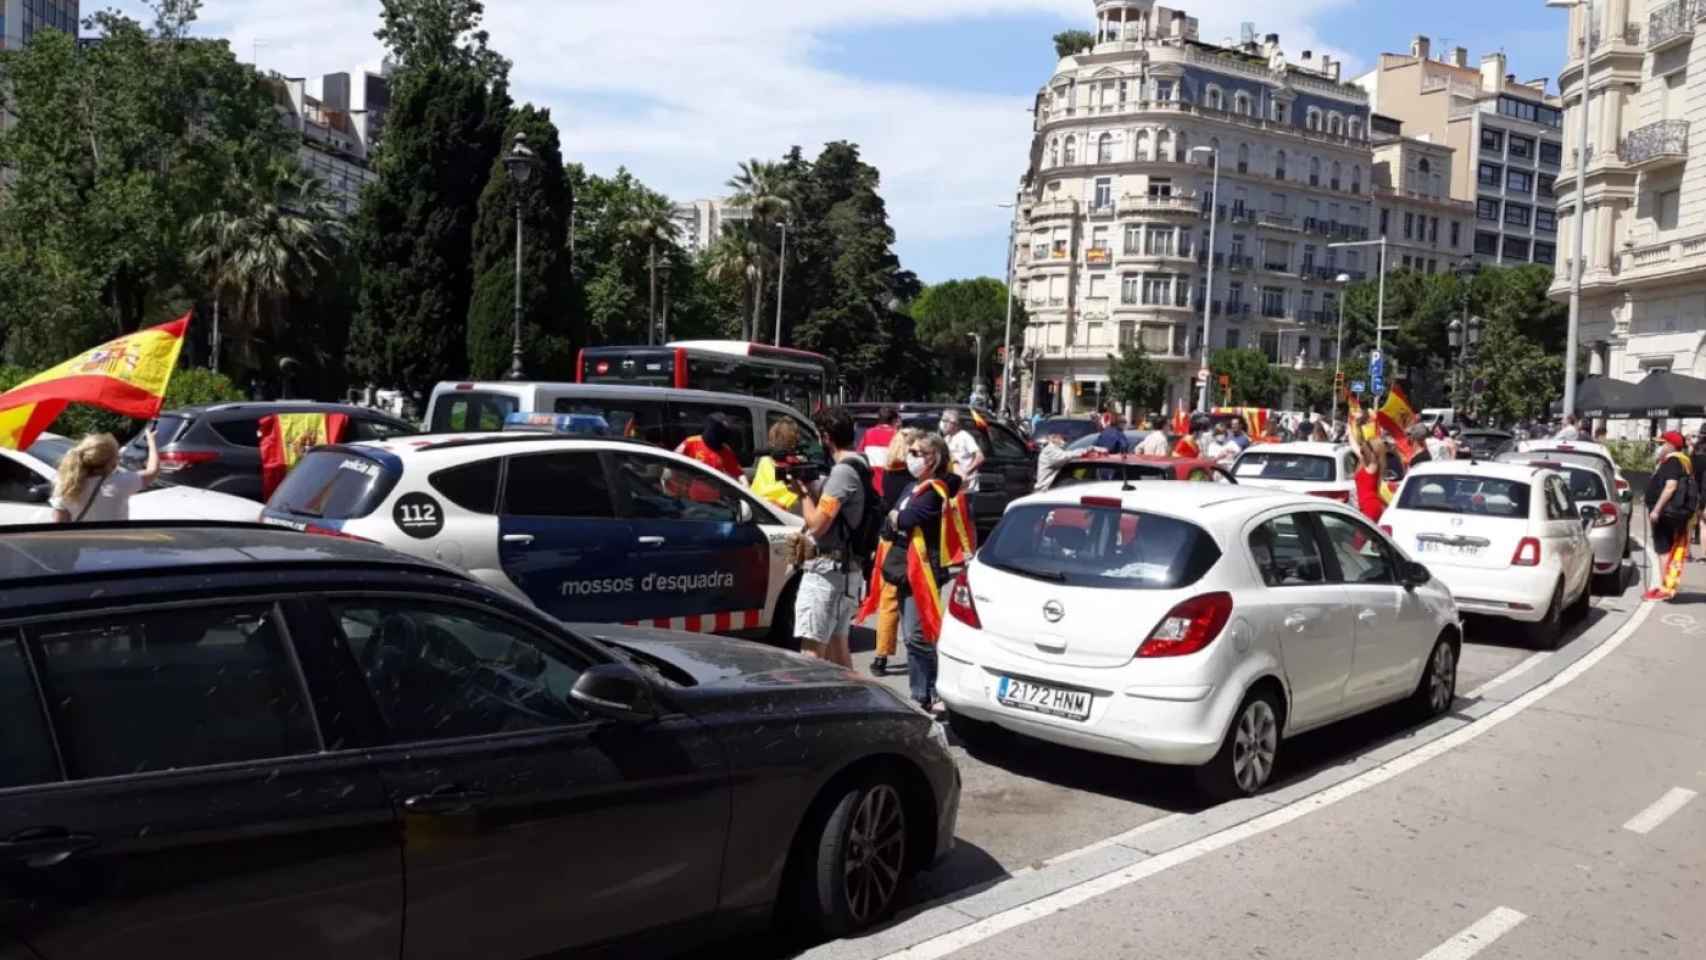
333	485
1096	546
1070	429
1585	484
1451	493
1093	472
1274	465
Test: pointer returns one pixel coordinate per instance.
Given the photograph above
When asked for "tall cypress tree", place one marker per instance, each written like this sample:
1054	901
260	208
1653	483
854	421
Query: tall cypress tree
549	330
415	233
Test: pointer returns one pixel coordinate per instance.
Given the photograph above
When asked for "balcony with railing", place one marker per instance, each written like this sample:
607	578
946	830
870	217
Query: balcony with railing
1182	204
1656	145
1671	24
1239	261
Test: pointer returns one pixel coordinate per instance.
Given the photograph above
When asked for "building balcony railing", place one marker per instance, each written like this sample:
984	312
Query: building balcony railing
1099	255
1238	261
1183	204
1658	256
1053	208
1274	267
1671	24
1280	221
1655	145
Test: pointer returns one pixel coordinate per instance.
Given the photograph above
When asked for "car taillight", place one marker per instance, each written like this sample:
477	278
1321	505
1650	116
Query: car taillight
1386	528
330	532
1608	515
961	605
1343	496
1527	553
171	461
1622	484
1189	627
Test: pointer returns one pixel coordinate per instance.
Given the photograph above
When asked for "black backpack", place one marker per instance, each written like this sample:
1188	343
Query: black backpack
862	534
1686	501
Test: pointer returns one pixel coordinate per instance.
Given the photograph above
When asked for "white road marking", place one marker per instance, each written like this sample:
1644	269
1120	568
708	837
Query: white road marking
1528	663
1118	838
1649	819
998	923
1477	936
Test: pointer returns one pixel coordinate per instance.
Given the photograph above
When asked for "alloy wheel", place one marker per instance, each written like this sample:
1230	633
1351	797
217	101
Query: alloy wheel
1442	678
875	853
1254	745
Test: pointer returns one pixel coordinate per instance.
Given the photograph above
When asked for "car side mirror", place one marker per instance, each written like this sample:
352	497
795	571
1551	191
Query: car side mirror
1626	496
1589	514
743	510
615	692
39	493
1415	575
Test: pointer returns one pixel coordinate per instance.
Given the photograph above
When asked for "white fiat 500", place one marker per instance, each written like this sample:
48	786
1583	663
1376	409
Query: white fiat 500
1505	537
1193	624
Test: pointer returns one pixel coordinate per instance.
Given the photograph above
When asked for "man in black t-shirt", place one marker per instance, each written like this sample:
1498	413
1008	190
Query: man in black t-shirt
1670	506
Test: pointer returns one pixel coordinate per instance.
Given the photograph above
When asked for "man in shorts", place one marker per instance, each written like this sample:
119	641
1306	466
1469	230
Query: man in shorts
829	580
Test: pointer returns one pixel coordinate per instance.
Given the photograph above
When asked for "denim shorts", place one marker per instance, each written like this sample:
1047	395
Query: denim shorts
828	597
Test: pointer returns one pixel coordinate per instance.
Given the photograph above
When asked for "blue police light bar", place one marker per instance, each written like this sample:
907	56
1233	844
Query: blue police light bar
563	424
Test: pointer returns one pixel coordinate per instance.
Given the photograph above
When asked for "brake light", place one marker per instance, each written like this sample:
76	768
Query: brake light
961	605
1386	528
1527	553
171	461
1343	496
330	532
1189	627
1608	515
1110	502
464	386
1622	484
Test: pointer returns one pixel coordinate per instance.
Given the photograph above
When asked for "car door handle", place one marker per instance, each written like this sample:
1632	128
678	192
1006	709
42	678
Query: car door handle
650	541
45	846
1298	621
521	538
1368	616
446	799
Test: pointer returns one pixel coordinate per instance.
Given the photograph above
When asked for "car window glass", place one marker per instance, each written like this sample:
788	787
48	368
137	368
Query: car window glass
1558	501
1363	557
1006	444
557	485
687	419
441	671
1586	485
652	488
810	447
1285	550
471	486
1097	546
634	419
362	429
17	481
188	687
465	412
26	752
243	431
1098	471
1467	494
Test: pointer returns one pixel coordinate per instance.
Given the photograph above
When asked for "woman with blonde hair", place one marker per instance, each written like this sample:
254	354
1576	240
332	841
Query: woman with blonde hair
92	487
767	481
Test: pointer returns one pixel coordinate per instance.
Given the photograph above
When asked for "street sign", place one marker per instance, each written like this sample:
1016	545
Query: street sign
1378	382
1376	368
1202	373
1358	387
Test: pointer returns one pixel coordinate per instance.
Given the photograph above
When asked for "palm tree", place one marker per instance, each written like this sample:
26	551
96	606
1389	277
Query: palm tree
761	188
273	246
213	234
650	223
732	259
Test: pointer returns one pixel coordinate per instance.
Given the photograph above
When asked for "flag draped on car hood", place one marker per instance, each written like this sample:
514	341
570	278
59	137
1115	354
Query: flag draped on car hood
127	376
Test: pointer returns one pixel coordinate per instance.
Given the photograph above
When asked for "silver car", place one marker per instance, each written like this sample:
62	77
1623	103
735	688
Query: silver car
1592	483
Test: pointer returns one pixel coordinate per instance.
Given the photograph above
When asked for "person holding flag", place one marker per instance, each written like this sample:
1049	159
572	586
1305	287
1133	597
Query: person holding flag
928	533
127	376
93	488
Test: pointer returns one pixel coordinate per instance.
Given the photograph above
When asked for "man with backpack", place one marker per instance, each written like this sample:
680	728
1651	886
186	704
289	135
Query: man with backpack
1672	501
843	518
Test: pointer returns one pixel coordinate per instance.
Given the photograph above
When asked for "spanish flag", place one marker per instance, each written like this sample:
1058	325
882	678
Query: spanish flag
1186	448
286	437
1181	421
1395	417
127	376
977	418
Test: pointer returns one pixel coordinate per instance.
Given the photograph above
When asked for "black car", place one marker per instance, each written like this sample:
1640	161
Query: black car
1484	444
1070	428
235	741
1010	465
218	446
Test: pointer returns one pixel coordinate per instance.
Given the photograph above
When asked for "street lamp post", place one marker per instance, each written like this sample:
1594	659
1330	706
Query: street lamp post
1213	153
1380	308
977	366
1463	333
1007	338
1344	282
781	276
519	165
663	330
1576	264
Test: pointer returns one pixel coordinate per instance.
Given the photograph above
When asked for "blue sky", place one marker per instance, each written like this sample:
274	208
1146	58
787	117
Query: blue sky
935	91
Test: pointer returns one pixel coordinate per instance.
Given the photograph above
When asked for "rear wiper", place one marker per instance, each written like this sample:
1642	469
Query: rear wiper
1053	576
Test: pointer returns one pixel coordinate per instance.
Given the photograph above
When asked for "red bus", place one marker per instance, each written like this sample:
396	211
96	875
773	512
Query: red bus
798	378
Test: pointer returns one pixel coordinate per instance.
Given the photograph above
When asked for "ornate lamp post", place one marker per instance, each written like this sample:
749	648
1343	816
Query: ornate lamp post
1464	334
518	163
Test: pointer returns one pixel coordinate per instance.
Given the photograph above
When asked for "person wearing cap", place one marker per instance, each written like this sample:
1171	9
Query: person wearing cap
1671	501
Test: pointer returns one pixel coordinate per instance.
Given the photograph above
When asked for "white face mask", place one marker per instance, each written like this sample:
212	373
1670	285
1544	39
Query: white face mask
916	465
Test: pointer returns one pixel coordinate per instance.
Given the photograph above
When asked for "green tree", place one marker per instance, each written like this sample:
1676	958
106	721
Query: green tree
549	333
1254	382
1136	379
1418	308
612	278
649	227
949	314
1069	42
732	265
1521	377
762	189
415	231
1518	294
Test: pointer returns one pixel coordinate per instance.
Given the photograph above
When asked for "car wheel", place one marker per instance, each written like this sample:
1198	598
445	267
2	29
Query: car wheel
973	734
1608	584
1578	609
1547	633
859	858
1247	755
782	622
1437	689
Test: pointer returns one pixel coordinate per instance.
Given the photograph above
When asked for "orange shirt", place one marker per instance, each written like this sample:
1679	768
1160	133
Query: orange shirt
723	460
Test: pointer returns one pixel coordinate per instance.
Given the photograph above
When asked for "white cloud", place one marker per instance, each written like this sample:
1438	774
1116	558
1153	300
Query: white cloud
696	85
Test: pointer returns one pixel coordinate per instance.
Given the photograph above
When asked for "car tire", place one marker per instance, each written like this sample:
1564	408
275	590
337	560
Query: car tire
1549	630
1608	584
1578	609
1246	759
972	734
857	857
782	621
1437	689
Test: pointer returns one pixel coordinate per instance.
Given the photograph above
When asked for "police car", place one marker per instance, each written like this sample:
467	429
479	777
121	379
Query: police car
589	529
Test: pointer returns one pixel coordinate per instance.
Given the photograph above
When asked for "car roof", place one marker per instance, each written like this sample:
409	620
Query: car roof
1475	468
1579	461
1141	459
1583	447
505	441
1312	448
1488	432
261	408
512	387
43	553
1175	498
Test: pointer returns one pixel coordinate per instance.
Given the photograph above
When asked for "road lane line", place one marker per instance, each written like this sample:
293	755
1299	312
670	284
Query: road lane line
995	924
1649	819
1477	936
1528	663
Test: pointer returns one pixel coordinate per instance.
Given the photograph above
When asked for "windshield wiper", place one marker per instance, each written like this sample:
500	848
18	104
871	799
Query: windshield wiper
1053	576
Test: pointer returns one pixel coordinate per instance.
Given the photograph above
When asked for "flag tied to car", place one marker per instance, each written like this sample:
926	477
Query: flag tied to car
287	437
127	376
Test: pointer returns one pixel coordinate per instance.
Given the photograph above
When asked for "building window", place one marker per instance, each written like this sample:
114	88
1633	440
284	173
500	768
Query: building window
1128	288
1160	242
1315	171
1356	178
1273	302
1133	239
1492	141
1335	124
1312	119
1545	219
1408	261
1326	354
1157	290
1516	248
1487	210
1241	103
1160	187
1071	150
1487	243
1433	230
1665	211
1279	112
1409	224
1231	338
1105	148
1519	182
1490	174
1234	295
1104	193
1516	214
1522	148
1354	130
1385	221
1545	253
1456	234
1279	165
1054	153
1270	347
1243	158
1163	89
1551	154
1309	258
1544	185
1212	98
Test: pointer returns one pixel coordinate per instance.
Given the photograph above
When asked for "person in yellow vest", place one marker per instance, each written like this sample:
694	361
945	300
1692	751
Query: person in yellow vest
928	533
767	480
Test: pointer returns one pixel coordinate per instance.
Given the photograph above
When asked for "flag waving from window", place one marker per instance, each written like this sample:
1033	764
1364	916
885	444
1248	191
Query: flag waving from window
127	376
287	437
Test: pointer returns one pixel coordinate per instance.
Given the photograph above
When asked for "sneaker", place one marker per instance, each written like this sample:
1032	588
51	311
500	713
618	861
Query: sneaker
1656	595
880	667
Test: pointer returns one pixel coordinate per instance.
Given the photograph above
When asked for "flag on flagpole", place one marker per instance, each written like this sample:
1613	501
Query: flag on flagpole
127	376
1395	417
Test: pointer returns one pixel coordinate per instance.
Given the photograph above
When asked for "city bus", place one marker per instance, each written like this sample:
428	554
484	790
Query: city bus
803	380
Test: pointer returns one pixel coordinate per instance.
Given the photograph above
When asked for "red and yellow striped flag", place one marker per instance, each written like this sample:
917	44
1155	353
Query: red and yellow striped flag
286	437
127	376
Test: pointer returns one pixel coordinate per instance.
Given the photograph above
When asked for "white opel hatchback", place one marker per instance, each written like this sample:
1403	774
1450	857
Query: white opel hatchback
1319	469
1193	624
1505	537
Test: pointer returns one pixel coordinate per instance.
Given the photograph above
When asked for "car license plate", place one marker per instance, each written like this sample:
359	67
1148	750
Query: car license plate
1024	695
1440	548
